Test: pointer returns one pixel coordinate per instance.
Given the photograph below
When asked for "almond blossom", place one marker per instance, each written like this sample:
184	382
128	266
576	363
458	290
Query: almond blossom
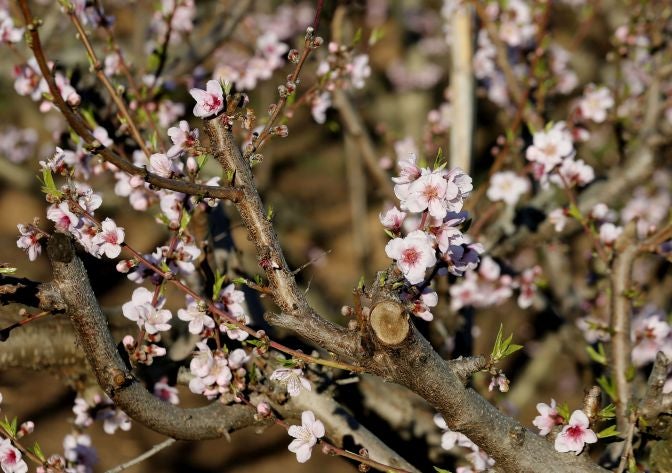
109	239
414	254
548	417
196	317
507	187
549	147
29	241
305	436
10	458
182	137
429	192
210	101
609	233
576	434
293	378
61	215
392	219
595	103
141	310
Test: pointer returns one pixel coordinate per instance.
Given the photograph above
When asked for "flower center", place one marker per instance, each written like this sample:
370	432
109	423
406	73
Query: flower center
575	432
410	256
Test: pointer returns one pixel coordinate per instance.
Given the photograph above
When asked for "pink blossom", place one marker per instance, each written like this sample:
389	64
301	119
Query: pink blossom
609	233
558	218
359	70
210	101
575	435
573	172
429	192
319	106
293	378
162	165
141	311
548	417
507	186
595	103
182	137
109	239
414	254
421	306
196	317
549	147
392	219
8	33
164	391
29	241
650	334
61	215
305	436
10	458
233	300
500	381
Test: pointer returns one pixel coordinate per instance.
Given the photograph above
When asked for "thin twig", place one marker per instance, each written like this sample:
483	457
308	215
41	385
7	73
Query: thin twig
149	453
100	73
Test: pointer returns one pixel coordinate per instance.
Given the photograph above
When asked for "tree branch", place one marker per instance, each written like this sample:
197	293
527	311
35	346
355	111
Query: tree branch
93	336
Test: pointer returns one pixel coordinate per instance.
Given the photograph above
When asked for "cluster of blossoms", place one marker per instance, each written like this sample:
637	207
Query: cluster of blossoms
97	239
342	69
100	408
574	435
8	32
16	144
246	70
436	195
28	81
215	371
452	441
553	158
489	286
176	16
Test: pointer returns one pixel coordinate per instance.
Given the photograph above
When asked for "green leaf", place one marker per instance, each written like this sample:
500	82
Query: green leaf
269	213
360	284
390	234
358	36
287	363
441	470
227	86
598	356
607	412
201	160
38	452
574	211
607	386
217	285
376	35
7	270
503	348
563	410
608	432
184	220
240	281
48	184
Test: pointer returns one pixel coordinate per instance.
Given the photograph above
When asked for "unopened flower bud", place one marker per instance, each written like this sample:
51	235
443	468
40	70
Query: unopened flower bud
25	429
282	91
263	409
317	42
293	56
281	130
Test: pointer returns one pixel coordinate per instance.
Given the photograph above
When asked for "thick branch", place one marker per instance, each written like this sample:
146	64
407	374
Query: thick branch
94	337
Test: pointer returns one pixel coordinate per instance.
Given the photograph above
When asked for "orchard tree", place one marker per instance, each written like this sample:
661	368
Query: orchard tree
503	169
